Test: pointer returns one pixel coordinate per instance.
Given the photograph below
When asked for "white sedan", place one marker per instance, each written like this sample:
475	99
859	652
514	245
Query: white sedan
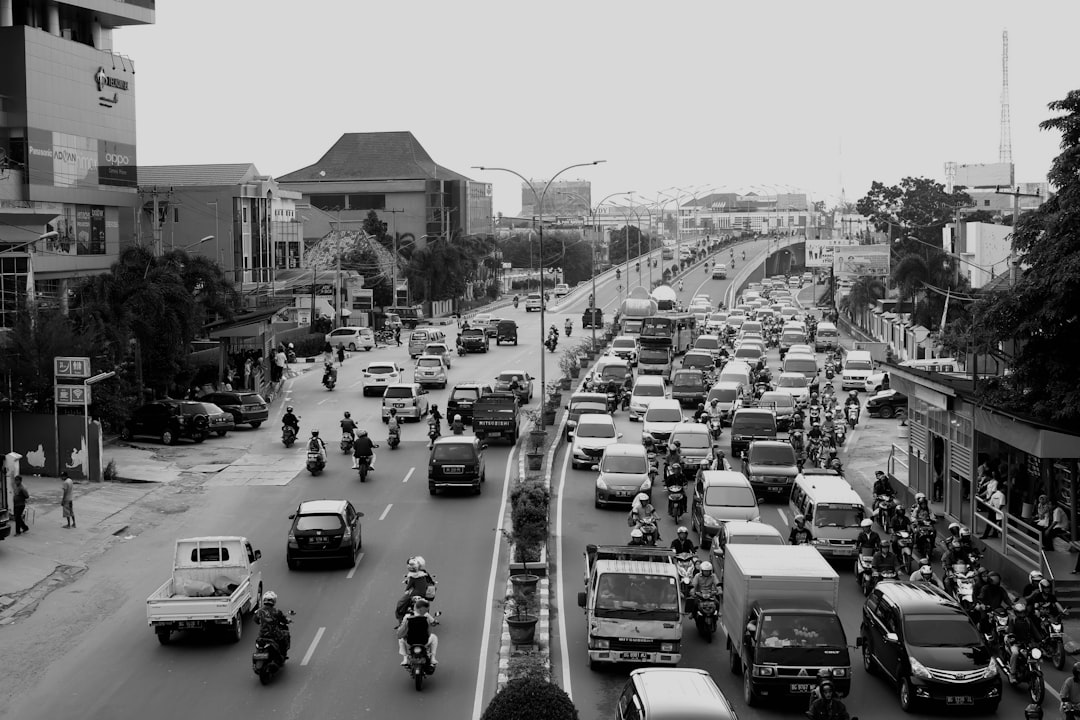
378	375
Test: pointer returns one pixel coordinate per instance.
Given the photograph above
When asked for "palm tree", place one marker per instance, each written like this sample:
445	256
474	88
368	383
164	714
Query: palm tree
909	275
865	291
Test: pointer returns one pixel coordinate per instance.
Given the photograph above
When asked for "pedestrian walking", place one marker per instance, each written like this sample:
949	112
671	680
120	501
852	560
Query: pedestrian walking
996	502
340	354
397	336
67	500
22	496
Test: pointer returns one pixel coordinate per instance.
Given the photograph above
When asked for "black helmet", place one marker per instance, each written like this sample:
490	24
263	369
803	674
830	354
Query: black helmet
1076	670
347	414
1033	712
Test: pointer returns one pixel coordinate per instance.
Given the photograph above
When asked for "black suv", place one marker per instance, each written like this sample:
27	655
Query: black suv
462	399
245	407
168	421
475	340
456	462
506	331
922	642
324	530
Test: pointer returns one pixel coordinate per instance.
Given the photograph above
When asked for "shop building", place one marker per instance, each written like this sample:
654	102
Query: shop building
68	178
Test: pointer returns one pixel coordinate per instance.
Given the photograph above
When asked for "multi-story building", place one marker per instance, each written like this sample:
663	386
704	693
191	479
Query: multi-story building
68	180
783	213
231	213
993	188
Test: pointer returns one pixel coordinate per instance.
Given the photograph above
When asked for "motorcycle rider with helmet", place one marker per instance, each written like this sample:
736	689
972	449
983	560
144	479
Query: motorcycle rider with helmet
348	425
415	629
827	706
393	425
800	534
882	486
636	537
682	542
991	598
899	520
1070	694
1022	631
316	445
568	326
417	581
867	538
273	623
363	448
290	420
1043	598
925	574
457	426
885	559
920	511
1034	578
704	584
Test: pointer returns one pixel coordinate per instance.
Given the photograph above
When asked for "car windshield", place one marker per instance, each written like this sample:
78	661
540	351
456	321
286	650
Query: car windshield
729	496
656	414
940	631
793	381
381	370
623	345
614	372
318	522
429	362
585	407
456	452
625	465
772	455
398	392
631	596
465	394
707	343
838	515
688	381
808	631
649	391
654	356
858	365
595	430
698	361
778	401
697	441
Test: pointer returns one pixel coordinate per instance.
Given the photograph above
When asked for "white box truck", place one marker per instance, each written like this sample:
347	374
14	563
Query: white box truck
780	621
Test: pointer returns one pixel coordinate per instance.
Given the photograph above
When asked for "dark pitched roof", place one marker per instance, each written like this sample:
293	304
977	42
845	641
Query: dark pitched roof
186	175
374	156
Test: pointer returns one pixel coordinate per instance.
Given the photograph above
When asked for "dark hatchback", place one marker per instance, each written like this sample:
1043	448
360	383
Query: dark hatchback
462	399
324	530
246	408
887	404
688	387
921	641
506	331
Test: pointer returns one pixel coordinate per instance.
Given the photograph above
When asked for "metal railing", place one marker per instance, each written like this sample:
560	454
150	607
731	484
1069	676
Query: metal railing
1015	537
897	465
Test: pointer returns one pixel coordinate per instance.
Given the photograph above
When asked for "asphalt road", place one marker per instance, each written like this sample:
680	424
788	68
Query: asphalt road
595	692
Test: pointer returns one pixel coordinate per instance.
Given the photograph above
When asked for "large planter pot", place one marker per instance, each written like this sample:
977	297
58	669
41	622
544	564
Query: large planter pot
549	416
535	460
555	398
574	373
564	383
533	567
522	629
524	587
536	439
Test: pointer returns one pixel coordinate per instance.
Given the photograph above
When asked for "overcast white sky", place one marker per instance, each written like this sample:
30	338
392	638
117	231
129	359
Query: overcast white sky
793	95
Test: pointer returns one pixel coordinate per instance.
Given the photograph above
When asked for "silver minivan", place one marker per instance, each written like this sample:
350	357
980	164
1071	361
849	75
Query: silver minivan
672	694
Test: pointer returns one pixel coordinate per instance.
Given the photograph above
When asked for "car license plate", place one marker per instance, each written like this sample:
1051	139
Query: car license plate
623	493
260	656
190	624
958	700
774	489
454	469
842	550
399	405
801	687
319	540
634	656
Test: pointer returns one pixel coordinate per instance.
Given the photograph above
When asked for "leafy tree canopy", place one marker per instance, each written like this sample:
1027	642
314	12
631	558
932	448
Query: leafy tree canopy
1037	321
917	206
442	269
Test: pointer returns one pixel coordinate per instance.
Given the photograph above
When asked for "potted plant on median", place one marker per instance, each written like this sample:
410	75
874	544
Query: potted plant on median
534	448
570	366
529	697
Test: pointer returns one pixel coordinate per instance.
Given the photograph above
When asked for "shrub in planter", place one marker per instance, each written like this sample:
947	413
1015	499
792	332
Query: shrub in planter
529	520
530	699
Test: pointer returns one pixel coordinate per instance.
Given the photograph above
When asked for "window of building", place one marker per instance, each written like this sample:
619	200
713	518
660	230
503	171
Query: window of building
367	201
986	203
13	271
328	202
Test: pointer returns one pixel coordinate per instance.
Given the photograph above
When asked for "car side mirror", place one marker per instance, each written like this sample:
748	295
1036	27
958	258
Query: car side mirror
258	554
581	599
892	637
293	516
594	467
618	435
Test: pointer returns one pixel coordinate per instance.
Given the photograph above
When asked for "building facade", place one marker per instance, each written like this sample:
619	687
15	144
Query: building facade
243	220
68	169
783	214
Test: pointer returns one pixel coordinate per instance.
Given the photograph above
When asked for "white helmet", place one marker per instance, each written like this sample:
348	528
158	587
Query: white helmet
421	563
269	598
866	523
457	418
636	533
926	570
1034	576
706	567
682	529
641	498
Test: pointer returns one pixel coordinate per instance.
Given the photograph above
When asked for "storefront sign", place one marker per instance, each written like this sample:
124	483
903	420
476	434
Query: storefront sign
65	160
104	80
71	367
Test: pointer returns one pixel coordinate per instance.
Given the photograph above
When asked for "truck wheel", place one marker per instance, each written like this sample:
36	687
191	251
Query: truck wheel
734	663
237	629
164	635
749	696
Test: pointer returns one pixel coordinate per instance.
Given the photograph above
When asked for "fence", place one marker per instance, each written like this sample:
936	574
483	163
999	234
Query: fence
897	465
1015	537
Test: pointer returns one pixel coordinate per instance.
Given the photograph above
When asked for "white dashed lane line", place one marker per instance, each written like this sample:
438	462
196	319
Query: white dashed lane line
311	648
352	570
409	474
386	511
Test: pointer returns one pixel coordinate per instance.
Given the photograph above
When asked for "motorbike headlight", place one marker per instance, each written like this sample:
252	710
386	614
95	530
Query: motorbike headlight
918	669
1036	653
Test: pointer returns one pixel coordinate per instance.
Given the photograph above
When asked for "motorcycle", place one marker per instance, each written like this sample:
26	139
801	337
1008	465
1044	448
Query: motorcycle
840	435
433	431
567	328
347	440
687	565
813	454
268	658
864	571
1029	670
884	505
706	611
648	530
461	351
795	437
363	465
288	435
924	538
515	303
852	415
393	439
676	501
551	343
1070	711
962	586
1053	638
625	402
315	462
716	426
329	378
612	400
902	547
290	355
419	665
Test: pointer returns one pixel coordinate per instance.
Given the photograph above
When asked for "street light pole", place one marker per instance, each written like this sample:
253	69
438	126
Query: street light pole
540	214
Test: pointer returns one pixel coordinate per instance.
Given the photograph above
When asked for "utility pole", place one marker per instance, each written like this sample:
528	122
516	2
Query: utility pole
393	282
1016	195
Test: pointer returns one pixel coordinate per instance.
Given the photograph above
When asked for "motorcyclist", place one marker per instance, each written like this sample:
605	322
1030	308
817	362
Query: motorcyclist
648	514
568	326
867	538
273	623
682	542
363	447
852	399
674	454
885	558
329	373
516	301
899	520
993	596
457	426
680	286
393	425
415	629
348	425
704	584
1070	693
436	417
715	413
1022	632
920	511
636	537
1034	578
416	580
1043	598
316	445
290	420
828	706
925	574
701	415
800	534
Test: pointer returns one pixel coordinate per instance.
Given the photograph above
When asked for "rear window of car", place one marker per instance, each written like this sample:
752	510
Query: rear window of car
419	335
800	364
398	392
649	390
380	370
510	377
724	395
429	362
707	343
624	464
452	453
691	381
588	406
465	394
245	399
472	332
753	425
656	414
319	522
772	455
623	345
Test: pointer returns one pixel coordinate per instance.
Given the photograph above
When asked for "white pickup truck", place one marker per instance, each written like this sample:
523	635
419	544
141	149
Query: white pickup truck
215	580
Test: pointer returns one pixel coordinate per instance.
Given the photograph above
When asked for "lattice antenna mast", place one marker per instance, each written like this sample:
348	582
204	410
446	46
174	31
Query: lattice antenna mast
1005	146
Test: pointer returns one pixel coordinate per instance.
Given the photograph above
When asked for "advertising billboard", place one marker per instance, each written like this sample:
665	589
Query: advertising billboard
819	253
853	261
73	161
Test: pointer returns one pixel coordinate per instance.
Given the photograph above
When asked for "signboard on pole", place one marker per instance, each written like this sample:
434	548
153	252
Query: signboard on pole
71	367
853	261
72	395
819	253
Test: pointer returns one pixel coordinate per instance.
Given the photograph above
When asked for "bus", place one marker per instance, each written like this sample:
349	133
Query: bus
672	329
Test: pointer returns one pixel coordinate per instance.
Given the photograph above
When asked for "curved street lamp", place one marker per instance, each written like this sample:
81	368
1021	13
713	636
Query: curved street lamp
540	225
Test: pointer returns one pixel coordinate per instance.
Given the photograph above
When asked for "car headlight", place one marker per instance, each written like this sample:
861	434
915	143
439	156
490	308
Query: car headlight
989	672
918	669
667	647
712	522
764	670
602	644
600	484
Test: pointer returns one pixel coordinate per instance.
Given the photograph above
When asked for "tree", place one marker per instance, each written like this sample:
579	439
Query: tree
376	228
442	269
1034	324
530	699
865	291
917	206
27	359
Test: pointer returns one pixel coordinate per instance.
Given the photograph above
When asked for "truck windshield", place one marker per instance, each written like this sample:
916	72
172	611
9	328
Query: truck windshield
837	515
809	631
651	597
858	365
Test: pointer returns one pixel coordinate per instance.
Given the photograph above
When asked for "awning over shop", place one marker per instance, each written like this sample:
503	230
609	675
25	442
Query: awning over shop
922	388
248	325
1040	442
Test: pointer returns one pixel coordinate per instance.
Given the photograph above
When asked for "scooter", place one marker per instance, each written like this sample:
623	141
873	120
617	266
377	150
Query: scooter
267	660
852	416
419	665
1053	638
924	538
687	566
676	501
433	432
716	426
962	585
288	435
706	611
551	343
461	351
363	465
612	401
883	509
877	576
902	545
315	462
329	378
864	570
648	530
840	434
347	440
393	439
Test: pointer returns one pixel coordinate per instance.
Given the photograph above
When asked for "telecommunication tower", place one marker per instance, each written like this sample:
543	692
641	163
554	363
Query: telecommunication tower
1005	145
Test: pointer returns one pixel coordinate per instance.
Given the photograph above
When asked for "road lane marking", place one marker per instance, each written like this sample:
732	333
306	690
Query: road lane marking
386	511
328	400
783	515
352	570
358	382
311	648
564	651
408	475
1053	692
483	662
